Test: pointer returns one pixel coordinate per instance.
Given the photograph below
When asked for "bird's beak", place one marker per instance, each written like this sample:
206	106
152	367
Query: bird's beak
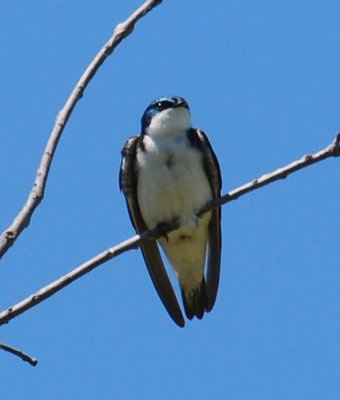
182	103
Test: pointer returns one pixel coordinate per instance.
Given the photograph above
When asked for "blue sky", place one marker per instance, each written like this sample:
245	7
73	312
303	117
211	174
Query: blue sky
262	79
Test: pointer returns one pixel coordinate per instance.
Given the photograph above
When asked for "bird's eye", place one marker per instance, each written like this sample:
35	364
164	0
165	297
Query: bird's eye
162	105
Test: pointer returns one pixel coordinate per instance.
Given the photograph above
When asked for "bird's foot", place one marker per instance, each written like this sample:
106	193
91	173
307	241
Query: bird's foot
166	227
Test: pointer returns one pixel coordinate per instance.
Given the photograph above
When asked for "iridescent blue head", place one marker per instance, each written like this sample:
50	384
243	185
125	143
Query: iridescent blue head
159	106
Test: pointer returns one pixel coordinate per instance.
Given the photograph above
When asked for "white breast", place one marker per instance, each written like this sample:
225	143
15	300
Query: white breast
172	184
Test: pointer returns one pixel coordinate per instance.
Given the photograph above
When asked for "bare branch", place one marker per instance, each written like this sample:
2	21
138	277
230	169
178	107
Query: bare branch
333	150
36	195
25	357
134	242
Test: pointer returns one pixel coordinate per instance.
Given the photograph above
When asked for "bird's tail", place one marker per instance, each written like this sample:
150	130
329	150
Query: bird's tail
195	301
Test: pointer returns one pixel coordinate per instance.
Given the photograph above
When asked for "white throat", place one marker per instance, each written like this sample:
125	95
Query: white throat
170	123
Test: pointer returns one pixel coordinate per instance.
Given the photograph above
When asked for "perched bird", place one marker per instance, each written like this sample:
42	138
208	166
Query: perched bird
168	174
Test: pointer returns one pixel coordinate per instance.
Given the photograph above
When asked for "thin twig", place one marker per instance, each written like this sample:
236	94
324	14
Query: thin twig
36	195
134	242
332	150
25	357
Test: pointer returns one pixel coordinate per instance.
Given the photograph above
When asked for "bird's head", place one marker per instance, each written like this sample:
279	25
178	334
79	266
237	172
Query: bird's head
167	116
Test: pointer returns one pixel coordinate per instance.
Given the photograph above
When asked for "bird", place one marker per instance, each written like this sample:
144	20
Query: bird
167	174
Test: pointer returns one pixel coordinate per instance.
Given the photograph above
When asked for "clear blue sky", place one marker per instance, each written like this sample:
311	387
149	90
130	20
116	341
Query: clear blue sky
263	81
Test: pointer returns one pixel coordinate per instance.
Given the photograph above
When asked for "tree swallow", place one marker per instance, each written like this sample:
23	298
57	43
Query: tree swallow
168	174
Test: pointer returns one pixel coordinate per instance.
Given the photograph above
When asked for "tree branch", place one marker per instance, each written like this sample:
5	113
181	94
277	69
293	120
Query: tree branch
36	195
25	357
333	150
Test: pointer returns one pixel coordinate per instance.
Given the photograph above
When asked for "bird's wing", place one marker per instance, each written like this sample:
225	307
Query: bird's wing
150	250
212	169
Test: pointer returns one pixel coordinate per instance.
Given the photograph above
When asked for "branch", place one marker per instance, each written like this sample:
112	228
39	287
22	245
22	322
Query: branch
36	195
333	150
25	357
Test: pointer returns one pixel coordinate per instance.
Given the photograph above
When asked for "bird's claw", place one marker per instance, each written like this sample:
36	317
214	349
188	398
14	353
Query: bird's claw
163	228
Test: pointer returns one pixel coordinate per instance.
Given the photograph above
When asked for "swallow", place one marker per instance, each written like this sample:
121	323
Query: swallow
167	174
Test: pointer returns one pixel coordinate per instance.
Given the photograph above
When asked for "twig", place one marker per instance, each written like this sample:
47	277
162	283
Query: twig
333	150
25	357
36	195
134	242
